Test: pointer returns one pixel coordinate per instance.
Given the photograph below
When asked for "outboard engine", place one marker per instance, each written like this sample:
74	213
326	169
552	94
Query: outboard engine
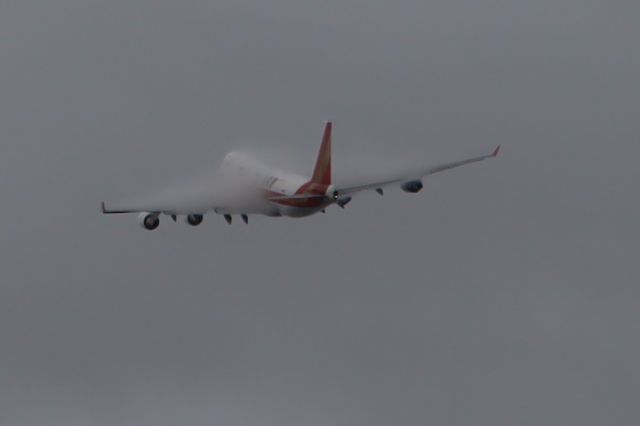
149	221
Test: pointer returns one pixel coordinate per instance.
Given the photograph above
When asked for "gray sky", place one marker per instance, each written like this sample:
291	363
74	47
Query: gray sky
505	293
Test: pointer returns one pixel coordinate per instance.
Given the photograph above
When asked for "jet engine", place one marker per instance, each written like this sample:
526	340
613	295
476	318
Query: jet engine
194	219
343	200
412	186
148	221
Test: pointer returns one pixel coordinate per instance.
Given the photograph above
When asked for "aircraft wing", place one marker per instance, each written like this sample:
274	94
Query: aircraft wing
411	175
189	199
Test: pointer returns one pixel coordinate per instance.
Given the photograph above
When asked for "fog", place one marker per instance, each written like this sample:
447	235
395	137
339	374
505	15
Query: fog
506	292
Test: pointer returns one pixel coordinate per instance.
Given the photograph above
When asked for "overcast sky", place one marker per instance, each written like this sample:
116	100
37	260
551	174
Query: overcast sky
505	293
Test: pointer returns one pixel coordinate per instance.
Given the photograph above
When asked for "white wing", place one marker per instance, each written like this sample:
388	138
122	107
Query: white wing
198	198
411	175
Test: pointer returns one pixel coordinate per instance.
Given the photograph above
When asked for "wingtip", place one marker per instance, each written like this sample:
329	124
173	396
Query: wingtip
103	207
496	151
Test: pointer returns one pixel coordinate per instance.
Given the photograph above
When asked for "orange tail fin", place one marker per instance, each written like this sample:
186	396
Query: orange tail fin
322	171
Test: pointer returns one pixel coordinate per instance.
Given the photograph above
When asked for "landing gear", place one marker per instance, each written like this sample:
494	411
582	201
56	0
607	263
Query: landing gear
245	219
228	218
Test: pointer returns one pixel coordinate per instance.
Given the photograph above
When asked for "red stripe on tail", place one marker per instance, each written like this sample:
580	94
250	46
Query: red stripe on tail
322	171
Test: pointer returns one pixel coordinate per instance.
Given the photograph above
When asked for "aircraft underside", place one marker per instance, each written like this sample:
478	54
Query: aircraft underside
248	187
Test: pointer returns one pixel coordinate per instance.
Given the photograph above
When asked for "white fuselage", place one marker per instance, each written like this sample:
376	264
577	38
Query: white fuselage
266	184
245	186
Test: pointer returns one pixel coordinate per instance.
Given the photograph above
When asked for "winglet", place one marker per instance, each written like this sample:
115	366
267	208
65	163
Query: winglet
496	151
105	210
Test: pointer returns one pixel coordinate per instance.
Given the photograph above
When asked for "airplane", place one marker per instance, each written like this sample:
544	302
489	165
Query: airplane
248	187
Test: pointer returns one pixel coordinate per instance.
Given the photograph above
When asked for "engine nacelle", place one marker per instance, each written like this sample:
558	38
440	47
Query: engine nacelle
343	200
412	186
193	219
148	221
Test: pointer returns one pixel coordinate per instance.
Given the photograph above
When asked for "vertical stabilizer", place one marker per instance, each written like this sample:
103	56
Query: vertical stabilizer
322	171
